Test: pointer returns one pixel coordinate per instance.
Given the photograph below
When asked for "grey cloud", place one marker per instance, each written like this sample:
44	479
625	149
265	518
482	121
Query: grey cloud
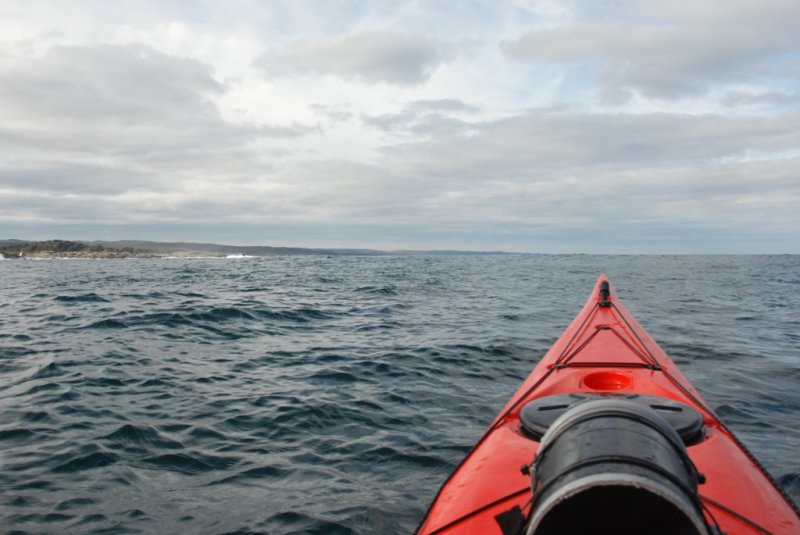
128	104
569	170
425	118
336	113
450	105
290	131
409	123
379	56
562	171
536	143
121	98
679	50
565	171
125	84
769	98
64	178
120	118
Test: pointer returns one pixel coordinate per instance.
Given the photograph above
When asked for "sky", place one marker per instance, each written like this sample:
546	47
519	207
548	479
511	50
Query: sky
659	126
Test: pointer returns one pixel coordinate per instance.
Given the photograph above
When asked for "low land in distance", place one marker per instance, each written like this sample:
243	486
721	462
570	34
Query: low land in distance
11	249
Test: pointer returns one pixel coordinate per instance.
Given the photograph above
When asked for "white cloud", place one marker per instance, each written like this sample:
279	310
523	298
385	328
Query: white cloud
372	57
668	50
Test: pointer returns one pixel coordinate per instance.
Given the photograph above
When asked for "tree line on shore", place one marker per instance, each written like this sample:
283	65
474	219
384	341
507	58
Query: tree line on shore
56	246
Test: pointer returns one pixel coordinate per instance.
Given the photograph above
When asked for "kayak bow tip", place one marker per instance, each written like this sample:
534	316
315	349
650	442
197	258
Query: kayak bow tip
604	293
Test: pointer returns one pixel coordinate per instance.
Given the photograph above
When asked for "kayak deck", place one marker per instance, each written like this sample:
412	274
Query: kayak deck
605	351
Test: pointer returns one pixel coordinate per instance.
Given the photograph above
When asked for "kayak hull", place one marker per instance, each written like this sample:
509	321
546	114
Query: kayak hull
605	351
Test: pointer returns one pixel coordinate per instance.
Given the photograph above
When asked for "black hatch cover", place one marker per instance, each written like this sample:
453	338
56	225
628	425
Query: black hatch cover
537	415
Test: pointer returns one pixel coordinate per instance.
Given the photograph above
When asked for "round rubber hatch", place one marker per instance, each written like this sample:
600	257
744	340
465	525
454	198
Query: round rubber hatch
537	416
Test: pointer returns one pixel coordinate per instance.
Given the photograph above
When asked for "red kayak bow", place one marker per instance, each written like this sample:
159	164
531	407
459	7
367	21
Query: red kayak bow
607	436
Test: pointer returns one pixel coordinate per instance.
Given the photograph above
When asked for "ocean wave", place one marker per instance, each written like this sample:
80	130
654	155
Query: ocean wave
378	290
106	324
86	461
130	435
190	463
84	298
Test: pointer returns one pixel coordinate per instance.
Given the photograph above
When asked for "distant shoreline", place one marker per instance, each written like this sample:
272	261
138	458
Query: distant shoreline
104	255
16	249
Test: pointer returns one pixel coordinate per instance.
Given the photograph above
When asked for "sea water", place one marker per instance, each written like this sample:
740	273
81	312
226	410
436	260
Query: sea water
314	394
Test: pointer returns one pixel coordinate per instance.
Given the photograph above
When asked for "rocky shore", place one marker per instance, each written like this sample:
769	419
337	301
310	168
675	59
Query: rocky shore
90	254
69	249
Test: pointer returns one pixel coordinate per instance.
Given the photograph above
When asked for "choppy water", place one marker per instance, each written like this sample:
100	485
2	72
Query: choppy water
334	394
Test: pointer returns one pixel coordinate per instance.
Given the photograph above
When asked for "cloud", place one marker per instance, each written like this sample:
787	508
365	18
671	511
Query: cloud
122	84
671	50
371	57
111	106
451	105
112	134
535	143
333	112
86	118
778	99
66	178
425	118
583	171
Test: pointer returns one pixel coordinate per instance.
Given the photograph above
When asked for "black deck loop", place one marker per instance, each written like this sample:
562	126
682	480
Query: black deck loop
605	293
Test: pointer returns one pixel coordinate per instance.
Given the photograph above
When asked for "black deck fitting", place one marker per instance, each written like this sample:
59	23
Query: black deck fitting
605	293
